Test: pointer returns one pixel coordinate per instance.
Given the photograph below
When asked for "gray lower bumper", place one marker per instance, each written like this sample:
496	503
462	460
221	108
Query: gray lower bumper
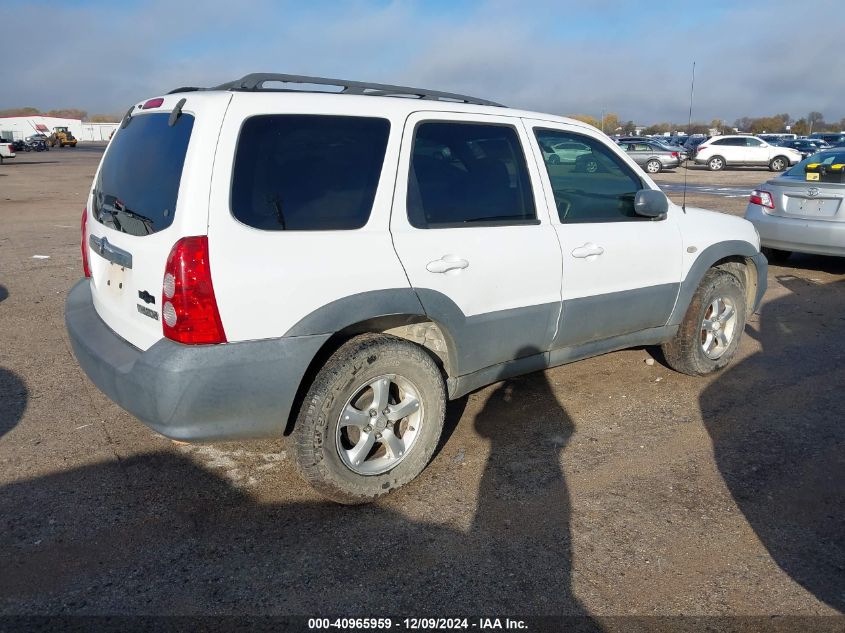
199	393
803	235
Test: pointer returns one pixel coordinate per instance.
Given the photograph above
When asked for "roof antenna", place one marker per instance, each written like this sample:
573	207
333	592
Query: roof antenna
689	127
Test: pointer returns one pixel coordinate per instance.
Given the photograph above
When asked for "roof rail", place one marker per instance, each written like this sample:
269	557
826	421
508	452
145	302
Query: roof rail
256	81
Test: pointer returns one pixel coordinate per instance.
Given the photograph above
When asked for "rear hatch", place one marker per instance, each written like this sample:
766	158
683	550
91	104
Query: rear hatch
151	190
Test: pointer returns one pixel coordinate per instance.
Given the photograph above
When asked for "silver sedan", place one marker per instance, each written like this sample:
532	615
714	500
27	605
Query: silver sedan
801	212
651	156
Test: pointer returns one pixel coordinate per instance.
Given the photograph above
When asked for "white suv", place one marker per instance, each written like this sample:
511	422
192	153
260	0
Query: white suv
336	266
719	152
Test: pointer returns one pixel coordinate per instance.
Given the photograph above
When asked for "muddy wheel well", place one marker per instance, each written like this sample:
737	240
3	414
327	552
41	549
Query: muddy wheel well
742	268
414	328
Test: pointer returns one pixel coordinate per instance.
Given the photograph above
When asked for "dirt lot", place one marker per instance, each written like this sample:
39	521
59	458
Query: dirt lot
606	487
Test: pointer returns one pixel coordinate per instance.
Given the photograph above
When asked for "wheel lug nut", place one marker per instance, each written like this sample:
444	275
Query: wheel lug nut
373	413
368	428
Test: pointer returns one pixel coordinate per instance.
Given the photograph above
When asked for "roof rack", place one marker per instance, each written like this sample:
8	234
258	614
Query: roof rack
256	81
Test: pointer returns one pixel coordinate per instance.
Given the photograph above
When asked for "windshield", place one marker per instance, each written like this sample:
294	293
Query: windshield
138	183
826	158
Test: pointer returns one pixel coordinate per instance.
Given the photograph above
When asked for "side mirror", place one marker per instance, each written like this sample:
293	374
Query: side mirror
650	203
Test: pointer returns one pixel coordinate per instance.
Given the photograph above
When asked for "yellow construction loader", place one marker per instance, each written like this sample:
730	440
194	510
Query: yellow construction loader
62	136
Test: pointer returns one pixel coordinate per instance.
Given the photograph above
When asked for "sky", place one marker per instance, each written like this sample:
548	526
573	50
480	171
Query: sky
633	58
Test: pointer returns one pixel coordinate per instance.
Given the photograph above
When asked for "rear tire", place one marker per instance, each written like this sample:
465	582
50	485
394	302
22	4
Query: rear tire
775	255
554	159
778	163
709	335
653	166
716	163
346	410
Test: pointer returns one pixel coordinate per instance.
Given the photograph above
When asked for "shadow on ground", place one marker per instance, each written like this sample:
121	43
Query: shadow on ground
158	534
14	397
777	422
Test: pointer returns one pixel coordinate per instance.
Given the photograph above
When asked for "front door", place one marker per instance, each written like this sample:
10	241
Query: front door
621	271
471	228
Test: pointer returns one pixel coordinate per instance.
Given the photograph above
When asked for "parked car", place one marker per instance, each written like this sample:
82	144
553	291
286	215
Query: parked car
692	143
829	137
806	147
36	143
565	152
7	150
337	266
652	156
793	214
777	139
719	152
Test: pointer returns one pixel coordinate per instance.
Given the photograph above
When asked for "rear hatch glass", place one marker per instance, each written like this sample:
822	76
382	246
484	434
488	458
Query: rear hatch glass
133	203
139	179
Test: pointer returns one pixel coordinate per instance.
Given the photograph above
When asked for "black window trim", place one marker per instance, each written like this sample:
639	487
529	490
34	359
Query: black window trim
535	221
615	157
314	114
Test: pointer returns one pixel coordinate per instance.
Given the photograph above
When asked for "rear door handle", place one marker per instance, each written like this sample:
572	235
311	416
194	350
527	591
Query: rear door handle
447	263
587	250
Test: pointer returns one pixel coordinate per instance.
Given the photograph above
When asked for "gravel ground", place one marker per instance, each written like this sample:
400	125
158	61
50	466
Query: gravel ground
607	487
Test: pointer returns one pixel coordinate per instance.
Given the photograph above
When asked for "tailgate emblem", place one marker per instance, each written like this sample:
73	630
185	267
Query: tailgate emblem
146	297
813	192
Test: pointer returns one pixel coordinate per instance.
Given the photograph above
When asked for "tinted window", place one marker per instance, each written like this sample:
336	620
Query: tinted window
307	172
596	187
138	182
465	173
753	142
733	142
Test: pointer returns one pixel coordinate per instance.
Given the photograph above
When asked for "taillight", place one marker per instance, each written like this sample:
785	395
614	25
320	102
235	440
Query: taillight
763	198
188	306
675	155
85	268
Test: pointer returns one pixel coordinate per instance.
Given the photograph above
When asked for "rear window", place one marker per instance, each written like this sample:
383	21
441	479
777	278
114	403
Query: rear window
825	158
138	183
307	172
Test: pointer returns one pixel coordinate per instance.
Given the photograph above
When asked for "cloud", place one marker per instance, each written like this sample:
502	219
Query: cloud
556	57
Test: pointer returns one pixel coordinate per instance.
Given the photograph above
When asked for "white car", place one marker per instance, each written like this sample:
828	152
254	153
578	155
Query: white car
337	266
719	152
7	150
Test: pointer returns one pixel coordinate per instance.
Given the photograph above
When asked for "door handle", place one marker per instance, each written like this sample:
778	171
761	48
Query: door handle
587	251
447	263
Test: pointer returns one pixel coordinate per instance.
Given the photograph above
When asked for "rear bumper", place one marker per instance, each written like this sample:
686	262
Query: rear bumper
819	237
199	393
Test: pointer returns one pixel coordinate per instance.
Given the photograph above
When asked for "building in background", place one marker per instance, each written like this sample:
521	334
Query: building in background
14	128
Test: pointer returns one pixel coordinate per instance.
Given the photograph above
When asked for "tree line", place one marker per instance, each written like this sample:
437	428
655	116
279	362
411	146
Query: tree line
66	113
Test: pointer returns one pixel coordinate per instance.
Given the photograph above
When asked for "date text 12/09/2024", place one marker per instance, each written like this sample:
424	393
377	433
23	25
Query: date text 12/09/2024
416	623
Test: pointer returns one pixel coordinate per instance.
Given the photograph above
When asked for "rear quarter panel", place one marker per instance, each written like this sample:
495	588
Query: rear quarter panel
267	281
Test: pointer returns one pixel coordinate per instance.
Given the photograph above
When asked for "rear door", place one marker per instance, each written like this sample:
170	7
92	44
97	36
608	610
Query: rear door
474	236
150	190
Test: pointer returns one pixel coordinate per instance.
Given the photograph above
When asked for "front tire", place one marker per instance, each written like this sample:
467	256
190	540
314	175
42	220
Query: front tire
709	335
778	163
653	166
371	419
717	163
